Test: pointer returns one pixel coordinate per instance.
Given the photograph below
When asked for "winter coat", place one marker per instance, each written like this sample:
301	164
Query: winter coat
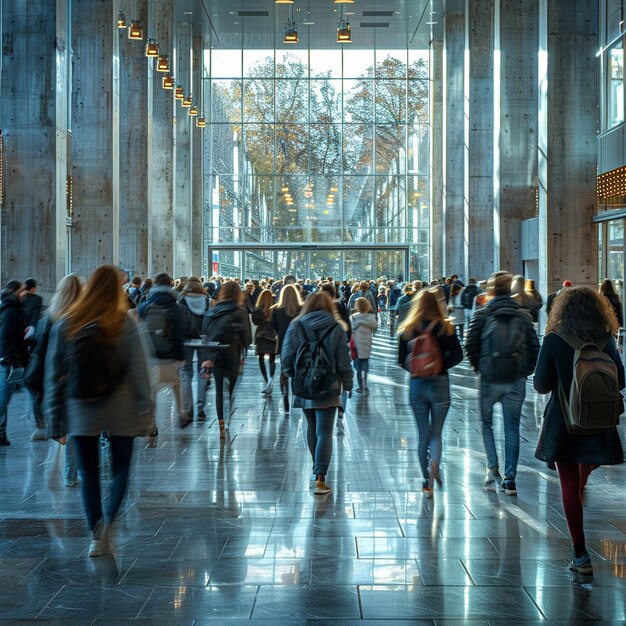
13	348
456	309
34	374
449	345
227	323
265	336
613	298
126	412
193	308
32	308
363	327
556	444
336	347
166	296
280	323
367	294
473	343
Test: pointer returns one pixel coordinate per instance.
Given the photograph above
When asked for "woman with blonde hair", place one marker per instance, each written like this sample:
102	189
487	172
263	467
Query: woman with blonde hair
579	316
265	337
364	325
283	313
121	407
317	324
429	394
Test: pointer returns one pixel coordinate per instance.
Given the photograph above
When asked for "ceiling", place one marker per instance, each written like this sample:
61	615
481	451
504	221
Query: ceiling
259	24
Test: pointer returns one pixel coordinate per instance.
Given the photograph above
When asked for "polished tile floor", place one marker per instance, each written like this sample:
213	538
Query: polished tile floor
213	533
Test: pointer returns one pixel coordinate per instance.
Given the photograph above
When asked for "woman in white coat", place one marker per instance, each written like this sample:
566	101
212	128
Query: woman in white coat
363	328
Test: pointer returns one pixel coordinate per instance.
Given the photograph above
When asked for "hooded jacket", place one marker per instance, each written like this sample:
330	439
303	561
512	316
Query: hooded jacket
227	323
335	345
193	308
363	327
166	296
13	349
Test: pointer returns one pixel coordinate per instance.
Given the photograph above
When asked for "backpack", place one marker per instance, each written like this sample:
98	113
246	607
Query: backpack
160	325
96	366
191	323
504	346
467	296
314	372
226	328
595	402
425	358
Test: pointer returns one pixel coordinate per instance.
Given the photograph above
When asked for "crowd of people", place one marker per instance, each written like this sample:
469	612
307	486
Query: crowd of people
94	358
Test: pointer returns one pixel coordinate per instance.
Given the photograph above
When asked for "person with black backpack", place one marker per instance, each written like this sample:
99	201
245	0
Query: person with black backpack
193	305
163	321
502	347
97	380
467	299
315	356
226	323
572	367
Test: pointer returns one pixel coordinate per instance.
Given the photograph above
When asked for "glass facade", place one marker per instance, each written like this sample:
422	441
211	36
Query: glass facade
318	147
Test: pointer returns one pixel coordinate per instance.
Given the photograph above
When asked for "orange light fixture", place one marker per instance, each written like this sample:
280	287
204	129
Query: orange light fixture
168	81
152	48
186	102
163	64
121	20
179	94
200	122
193	112
135	30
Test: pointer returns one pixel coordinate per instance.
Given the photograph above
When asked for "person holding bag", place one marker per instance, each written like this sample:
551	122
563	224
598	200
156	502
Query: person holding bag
97	380
363	327
579	316
426	326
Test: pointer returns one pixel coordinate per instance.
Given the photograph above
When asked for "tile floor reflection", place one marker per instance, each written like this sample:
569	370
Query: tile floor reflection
213	533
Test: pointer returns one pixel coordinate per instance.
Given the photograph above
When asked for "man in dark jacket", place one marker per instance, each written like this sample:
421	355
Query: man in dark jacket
32	302
13	350
502	347
164	323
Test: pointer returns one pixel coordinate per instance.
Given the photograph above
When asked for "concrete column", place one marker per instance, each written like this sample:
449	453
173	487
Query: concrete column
517	138
567	152
479	138
33	107
133	137
160	144
95	147
436	158
454	245
197	164
182	156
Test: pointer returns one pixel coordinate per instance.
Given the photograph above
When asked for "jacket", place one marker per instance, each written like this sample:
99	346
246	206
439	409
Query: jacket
13	348
229	323
367	294
32	308
336	347
280	323
363	327
126	412
265	336
193	308
165	296
473	343
556	444
449	345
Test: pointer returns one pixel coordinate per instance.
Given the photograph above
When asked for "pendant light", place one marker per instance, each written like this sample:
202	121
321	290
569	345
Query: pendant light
163	64
168	82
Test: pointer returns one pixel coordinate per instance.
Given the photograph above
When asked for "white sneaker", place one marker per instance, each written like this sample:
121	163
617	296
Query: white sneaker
493	476
99	547
39	435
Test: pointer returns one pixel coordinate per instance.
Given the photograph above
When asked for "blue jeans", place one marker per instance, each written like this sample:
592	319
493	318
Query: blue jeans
430	400
511	396
186	379
71	471
87	450
319	436
6	391
362	366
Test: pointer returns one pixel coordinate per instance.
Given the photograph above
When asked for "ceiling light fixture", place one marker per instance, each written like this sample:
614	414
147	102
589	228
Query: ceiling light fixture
152	48
193	112
200	122
283	1
163	64
179	94
291	33
168	81
186	101
121	20
344	1
135	30
343	29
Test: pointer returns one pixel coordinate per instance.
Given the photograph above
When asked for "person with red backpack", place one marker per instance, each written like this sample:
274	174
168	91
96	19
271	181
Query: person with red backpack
428	348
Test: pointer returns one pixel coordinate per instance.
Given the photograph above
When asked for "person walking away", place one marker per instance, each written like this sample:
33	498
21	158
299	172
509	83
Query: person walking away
363	329
524	299
226	323
363	291
403	305
193	306
467	299
265	338
430	384
456	309
164	324
283	313
502	348
608	291
394	294
535	296
552	296
13	349
316	331
97	380
67	292
579	317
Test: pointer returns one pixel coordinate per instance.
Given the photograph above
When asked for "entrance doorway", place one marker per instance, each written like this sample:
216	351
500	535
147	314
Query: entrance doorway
260	260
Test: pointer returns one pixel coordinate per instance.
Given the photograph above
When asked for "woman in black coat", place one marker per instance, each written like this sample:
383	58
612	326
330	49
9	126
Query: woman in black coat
608	291
578	313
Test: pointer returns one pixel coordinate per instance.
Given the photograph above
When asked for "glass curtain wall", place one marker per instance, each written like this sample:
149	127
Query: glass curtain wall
318	146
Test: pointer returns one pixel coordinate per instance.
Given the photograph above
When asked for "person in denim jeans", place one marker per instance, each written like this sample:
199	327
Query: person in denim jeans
502	374
429	395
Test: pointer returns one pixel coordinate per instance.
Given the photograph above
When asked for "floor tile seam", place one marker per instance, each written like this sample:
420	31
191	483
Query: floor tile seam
464	566
63	586
525	590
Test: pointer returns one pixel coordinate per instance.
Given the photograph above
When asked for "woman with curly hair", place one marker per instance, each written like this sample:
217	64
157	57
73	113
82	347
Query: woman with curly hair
579	315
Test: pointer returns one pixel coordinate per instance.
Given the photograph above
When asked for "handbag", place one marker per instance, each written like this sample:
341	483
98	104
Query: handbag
353	351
